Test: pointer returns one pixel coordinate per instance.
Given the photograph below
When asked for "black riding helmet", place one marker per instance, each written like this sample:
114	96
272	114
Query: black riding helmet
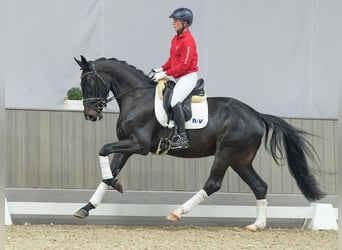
183	14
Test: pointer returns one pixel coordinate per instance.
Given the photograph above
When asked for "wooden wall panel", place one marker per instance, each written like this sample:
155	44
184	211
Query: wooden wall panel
59	149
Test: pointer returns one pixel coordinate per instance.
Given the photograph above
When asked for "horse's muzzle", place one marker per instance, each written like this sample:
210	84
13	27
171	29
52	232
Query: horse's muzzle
92	115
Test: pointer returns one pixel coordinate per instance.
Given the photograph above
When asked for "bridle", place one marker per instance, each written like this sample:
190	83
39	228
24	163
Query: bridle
100	101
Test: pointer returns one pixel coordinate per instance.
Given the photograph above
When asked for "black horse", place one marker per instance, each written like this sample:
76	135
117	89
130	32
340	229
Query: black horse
233	135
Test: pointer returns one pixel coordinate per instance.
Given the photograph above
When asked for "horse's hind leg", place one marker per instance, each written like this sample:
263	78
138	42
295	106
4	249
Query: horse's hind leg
259	188
212	185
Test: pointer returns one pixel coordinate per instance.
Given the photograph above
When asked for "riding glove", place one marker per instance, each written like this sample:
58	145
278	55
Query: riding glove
157	70
158	76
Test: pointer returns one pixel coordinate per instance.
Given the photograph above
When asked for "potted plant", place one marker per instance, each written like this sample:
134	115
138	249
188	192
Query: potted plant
73	99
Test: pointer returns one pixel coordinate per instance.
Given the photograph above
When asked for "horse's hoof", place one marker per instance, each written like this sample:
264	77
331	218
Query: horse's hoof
115	184
172	217
250	229
81	214
119	186
254	228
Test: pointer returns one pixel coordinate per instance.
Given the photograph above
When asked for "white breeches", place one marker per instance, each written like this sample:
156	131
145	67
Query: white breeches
184	86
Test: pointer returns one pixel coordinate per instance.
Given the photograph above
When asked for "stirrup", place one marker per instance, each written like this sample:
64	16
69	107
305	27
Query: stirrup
179	142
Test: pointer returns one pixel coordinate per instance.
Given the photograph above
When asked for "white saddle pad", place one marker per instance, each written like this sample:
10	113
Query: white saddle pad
199	118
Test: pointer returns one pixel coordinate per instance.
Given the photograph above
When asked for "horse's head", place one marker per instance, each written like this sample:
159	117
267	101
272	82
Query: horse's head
95	89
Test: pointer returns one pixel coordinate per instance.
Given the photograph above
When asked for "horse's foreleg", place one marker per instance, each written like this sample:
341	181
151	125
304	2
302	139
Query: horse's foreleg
105	167
101	190
108	174
94	201
259	188
116	165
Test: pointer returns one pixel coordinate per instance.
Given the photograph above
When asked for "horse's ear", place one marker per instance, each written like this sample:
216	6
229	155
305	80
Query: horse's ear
83	63
78	62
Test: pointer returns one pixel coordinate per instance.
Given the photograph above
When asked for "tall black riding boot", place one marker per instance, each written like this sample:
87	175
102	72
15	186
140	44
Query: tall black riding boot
180	141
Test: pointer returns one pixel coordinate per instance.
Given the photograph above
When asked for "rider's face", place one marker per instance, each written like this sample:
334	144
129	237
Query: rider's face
177	24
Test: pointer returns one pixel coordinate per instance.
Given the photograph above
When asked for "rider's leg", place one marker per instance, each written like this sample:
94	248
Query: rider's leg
180	140
184	86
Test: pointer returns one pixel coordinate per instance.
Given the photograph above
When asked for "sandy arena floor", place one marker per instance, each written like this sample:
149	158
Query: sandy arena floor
177	237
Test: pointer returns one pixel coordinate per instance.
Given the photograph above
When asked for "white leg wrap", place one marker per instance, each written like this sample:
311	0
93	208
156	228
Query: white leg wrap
98	195
191	203
105	168
260	221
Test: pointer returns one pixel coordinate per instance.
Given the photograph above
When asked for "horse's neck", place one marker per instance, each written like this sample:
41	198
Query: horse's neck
130	88
119	82
139	101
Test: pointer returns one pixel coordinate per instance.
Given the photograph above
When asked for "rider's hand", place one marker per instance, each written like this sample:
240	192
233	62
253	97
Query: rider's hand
158	76
157	70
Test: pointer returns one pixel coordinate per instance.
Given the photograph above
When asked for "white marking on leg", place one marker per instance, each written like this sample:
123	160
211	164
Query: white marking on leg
105	168
260	222
190	204
98	195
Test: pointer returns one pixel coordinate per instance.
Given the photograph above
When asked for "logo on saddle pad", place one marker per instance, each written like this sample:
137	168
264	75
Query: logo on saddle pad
198	120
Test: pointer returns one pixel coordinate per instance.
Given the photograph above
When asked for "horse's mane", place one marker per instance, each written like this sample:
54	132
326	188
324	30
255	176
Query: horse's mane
124	63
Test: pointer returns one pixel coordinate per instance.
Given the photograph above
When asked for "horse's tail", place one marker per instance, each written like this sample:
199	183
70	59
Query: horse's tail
287	138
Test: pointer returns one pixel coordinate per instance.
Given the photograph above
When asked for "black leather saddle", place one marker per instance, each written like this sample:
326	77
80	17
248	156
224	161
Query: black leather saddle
197	95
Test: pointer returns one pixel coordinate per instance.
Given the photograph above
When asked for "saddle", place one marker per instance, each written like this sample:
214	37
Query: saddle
195	108
165	91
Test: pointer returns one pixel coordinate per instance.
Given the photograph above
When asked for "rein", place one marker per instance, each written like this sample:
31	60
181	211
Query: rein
100	101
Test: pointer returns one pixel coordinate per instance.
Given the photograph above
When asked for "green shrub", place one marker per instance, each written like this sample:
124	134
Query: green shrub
75	94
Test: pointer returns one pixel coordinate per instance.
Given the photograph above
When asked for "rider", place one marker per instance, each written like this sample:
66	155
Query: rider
182	68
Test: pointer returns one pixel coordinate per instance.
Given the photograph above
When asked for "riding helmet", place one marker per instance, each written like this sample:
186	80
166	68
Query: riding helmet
183	14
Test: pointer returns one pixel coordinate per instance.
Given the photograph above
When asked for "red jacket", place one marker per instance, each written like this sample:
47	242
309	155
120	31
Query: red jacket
183	56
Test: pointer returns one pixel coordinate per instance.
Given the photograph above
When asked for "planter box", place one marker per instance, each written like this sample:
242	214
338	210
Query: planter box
73	104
